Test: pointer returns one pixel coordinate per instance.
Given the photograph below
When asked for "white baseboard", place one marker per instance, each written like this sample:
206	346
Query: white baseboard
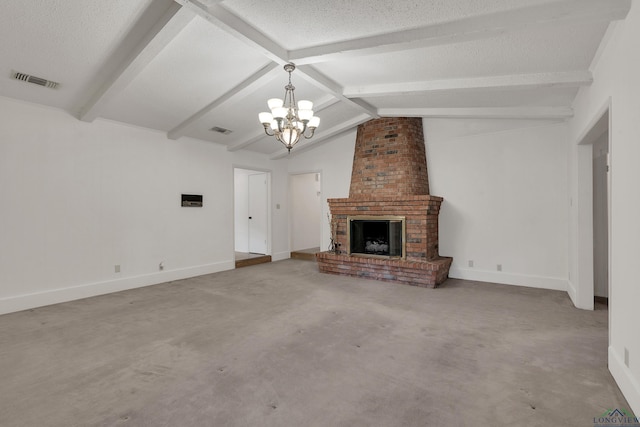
279	256
573	293
629	385
55	296
509	278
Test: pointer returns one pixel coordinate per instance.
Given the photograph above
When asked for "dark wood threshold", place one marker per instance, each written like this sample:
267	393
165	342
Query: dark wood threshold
252	260
305	254
601	300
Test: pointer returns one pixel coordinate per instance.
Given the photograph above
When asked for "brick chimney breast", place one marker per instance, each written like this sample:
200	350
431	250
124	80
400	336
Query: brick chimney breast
390	159
388	183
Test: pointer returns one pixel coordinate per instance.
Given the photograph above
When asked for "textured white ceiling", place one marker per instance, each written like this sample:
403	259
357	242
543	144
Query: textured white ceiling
186	75
527	51
327	21
67	41
184	66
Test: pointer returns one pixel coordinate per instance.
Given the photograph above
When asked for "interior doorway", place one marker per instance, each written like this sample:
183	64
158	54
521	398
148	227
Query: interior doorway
601	219
257	217
593	219
251	216
306	214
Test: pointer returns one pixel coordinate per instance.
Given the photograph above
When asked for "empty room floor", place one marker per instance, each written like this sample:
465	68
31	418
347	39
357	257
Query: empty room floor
280	344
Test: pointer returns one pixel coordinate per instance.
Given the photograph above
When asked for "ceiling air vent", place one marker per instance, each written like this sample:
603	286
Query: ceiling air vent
35	80
221	130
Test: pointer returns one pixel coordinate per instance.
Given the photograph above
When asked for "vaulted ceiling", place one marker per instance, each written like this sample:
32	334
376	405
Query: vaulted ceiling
184	67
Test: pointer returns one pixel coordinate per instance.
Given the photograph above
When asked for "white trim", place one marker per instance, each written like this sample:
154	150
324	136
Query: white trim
321	231
584	217
513	81
514	113
573	293
55	296
553	283
269	174
629	386
595	128
583	297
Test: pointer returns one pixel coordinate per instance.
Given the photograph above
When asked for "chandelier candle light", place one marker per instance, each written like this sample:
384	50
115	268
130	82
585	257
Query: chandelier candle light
286	121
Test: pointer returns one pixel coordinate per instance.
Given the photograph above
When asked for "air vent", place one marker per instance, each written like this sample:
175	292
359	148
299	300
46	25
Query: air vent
221	130
35	80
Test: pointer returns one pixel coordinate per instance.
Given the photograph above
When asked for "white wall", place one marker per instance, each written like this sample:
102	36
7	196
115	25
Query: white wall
616	81
505	198
79	198
334	161
505	188
306	211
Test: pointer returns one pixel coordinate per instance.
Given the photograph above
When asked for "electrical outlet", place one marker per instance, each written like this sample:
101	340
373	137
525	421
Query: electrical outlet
117	268
626	356
499	267
470	263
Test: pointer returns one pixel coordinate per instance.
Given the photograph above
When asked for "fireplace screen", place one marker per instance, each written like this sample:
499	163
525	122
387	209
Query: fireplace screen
377	235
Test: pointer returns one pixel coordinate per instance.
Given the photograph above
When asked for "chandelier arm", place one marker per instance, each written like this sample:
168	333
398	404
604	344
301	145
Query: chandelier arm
266	130
304	126
313	130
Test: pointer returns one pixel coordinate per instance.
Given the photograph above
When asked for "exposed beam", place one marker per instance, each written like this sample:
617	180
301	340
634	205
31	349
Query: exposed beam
238	28
471	28
222	18
250	84
323	138
323	82
244	144
514	82
533	113
325	102
174	19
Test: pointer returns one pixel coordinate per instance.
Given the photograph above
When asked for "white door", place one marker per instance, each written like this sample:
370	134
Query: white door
258	213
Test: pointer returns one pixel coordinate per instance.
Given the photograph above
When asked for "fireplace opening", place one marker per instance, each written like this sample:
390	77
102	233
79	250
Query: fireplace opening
377	236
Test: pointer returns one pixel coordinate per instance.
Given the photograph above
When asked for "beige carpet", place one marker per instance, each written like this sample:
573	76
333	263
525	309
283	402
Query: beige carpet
282	345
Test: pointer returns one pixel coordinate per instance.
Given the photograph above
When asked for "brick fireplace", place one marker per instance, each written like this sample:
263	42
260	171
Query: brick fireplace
389	188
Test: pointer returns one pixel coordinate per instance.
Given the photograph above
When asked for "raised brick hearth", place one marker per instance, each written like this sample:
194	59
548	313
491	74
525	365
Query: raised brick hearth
389	177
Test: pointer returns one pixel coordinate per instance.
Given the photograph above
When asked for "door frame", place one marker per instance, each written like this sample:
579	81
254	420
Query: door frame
322	206
268	172
258	193
584	289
